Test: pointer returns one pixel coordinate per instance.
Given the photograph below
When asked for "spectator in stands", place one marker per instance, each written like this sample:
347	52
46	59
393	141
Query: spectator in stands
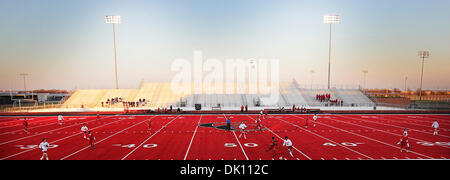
246	108
242	108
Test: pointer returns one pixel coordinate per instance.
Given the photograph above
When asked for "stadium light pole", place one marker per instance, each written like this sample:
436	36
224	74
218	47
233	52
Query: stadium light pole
24	75
330	19
114	19
312	76
423	55
406	78
365	74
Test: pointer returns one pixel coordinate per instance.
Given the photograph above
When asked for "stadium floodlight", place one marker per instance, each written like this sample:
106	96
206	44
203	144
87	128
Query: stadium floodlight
330	19
114	19
423	55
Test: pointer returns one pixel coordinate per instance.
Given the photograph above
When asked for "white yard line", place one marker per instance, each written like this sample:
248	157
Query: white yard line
43	133
192	139
76	152
246	157
149	138
400	127
390	145
58	140
245	154
283	140
339	144
383	131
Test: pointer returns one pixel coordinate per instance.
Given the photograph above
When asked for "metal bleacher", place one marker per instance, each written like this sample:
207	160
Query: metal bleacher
161	95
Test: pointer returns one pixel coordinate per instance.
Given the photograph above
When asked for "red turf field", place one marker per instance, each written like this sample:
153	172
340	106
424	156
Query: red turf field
338	137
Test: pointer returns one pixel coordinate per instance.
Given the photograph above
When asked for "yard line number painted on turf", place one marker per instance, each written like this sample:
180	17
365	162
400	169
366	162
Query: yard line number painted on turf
134	145
343	143
246	145
434	144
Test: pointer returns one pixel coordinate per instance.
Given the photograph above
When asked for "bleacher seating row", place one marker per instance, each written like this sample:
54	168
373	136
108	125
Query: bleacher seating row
160	95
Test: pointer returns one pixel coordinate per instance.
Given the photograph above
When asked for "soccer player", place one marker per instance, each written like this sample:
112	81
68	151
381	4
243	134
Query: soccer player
242	126
25	124
404	141
98	116
306	121
60	118
273	147
435	125
84	129
149	126
315	119
44	146
258	123
91	138
288	143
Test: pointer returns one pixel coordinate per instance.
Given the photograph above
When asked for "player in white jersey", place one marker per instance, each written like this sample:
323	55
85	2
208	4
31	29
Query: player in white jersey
315	119
435	125
60	118
242	126
288	143
44	146
84	130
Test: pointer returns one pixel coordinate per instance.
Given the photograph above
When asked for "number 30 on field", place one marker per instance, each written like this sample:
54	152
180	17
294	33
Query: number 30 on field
246	145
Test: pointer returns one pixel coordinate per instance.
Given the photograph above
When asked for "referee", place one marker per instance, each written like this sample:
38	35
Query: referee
228	124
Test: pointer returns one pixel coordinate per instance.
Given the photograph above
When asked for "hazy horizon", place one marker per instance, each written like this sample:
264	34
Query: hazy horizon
67	45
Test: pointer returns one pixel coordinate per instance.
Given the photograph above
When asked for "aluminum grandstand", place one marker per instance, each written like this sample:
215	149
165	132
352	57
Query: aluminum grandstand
161	95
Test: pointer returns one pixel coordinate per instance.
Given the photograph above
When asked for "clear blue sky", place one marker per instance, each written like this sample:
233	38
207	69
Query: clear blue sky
65	44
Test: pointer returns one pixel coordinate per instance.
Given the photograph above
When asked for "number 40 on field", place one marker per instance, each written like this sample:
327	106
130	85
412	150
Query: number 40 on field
343	143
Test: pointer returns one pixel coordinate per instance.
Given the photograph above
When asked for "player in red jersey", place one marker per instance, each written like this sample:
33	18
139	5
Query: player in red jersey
306	121
149	126
258	123
25	124
404	141
273	147
91	138
98	116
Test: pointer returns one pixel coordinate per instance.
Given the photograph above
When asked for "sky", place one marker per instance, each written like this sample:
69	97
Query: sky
67	45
